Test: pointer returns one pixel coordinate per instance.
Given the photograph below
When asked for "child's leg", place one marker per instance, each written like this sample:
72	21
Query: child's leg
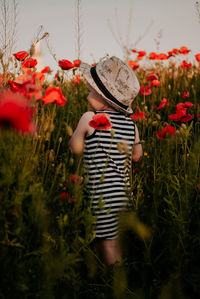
111	251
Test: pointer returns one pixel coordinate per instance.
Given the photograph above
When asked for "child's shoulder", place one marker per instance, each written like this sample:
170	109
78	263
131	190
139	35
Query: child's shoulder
87	116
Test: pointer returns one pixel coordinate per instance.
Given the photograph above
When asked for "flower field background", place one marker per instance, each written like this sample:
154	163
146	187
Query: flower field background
46	227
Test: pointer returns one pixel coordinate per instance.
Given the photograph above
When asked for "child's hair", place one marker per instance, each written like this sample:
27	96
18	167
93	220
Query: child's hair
98	95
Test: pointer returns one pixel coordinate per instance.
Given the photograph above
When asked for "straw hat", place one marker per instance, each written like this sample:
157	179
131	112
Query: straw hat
115	81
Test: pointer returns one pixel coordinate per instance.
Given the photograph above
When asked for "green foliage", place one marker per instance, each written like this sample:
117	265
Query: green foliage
46	225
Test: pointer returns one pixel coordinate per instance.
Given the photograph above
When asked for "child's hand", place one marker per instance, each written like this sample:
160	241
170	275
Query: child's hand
137	147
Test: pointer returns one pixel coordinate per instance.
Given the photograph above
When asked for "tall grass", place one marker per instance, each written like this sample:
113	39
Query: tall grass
46	225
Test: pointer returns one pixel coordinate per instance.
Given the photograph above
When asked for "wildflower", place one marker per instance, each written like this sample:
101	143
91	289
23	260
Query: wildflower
181	114
46	70
21	55
145	154
76	179
145	90
133	64
153	56
29	63
100	121
65	196
15	113
65	64
175	51
54	95
76	79
141	54
77	62
186	65
28	85
162	56
188	105
170	54
184	50
134	50
164	102
138	115
155	83
152	76
185	94
197	56
166	131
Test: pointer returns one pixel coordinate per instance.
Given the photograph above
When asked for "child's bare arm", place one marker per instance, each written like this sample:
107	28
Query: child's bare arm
77	141
137	147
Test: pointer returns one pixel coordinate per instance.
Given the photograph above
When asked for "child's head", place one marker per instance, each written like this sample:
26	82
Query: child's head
114	81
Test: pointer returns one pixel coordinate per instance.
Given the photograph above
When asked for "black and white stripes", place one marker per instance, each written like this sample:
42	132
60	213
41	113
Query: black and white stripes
107	158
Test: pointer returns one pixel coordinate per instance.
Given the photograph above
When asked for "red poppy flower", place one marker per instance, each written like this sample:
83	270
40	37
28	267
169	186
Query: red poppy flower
64	196
138	115
186	65
163	103
77	62
188	105
77	79
166	131
175	51
28	85
197	56
142	53
170	53
155	83
54	95
76	179
17	87
21	55
181	115
46	70
162	56
100	121
15	113
145	90
184	50
153	56
29	63
65	64
73	180
133	64
134	50
152	76
185	94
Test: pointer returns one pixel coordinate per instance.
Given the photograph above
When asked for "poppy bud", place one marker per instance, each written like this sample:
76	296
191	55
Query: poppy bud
119	147
112	133
69	130
158	116
51	155
184	126
71	161
154	123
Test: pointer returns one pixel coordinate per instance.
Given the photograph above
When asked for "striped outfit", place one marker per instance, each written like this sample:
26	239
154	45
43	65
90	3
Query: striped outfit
107	158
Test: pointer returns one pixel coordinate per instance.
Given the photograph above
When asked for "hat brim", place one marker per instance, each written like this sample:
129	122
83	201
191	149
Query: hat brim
85	69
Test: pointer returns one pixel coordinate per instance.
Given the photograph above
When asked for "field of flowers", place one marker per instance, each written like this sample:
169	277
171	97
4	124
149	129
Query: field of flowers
46	228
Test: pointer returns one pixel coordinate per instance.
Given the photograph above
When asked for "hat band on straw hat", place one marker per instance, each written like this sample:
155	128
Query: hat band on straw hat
103	89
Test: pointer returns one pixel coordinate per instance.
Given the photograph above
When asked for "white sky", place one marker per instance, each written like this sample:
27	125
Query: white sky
176	19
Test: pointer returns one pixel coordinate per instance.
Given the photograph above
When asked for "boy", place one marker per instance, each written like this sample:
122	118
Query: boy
108	153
